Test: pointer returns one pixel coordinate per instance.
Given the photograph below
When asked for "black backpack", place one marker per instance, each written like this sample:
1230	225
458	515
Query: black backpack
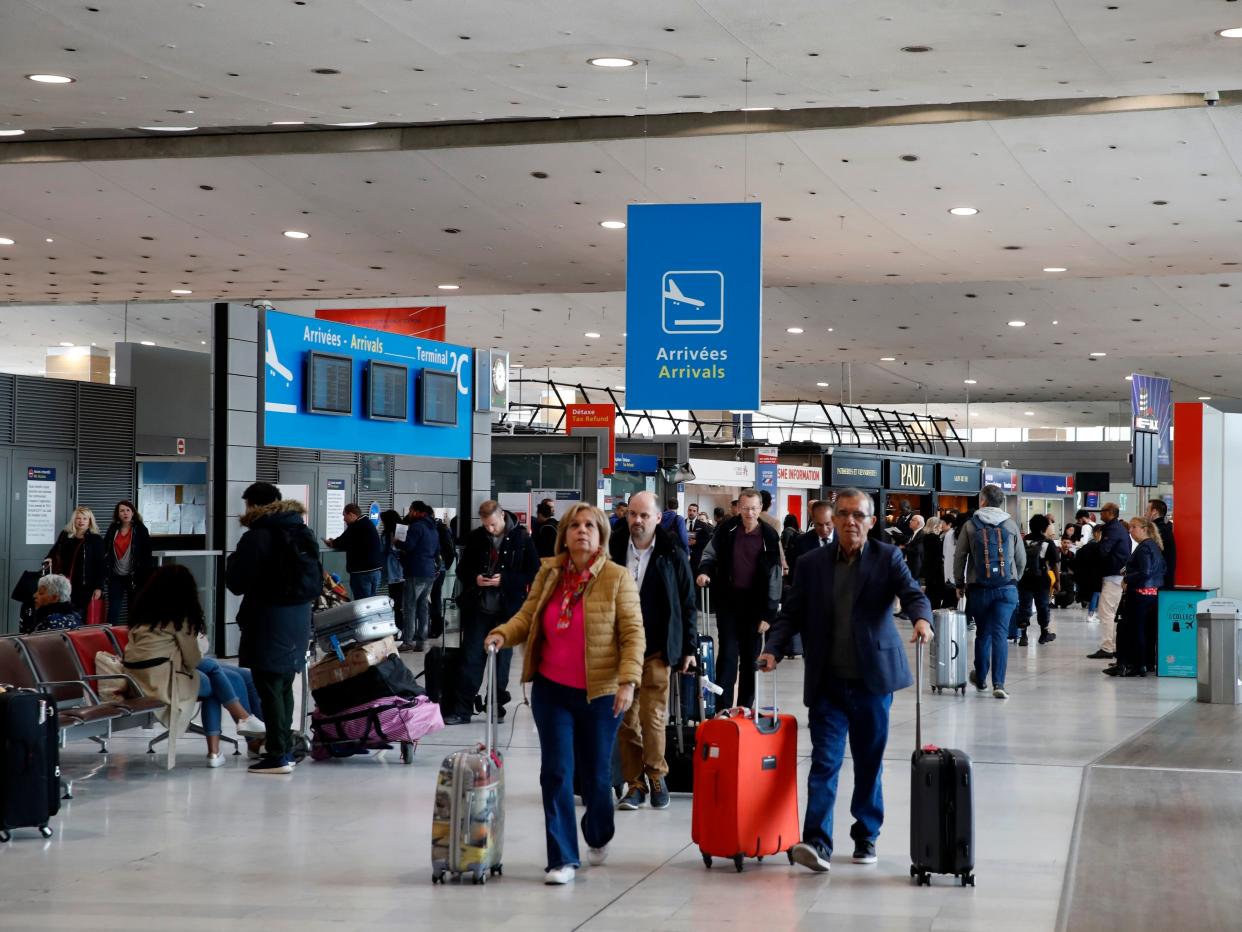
1036	564
448	552
297	573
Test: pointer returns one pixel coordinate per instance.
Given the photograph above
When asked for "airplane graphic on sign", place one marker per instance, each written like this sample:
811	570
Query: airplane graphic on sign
693	302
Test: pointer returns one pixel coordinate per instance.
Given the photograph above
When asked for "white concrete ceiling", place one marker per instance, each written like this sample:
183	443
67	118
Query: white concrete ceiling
247	63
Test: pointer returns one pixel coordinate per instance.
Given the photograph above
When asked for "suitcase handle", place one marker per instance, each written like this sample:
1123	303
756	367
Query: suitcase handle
918	695
758	716
490	678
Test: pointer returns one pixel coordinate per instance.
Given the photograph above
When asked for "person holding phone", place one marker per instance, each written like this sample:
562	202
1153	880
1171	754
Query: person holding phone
583	630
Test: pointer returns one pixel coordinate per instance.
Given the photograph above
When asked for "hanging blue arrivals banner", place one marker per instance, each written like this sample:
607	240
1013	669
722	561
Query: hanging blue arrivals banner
693	306
1151	402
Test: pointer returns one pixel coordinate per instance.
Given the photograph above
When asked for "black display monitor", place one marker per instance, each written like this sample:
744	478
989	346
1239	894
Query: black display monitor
388	391
1091	481
437	398
1145	457
329	384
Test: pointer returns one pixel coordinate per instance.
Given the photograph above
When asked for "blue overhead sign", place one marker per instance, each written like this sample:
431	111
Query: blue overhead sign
636	462
693	306
330	386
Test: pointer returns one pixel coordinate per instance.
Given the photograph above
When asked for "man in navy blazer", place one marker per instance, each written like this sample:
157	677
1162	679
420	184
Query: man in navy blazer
841	602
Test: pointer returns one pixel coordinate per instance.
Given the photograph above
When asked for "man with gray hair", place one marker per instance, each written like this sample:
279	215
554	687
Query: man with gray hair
988	562
53	610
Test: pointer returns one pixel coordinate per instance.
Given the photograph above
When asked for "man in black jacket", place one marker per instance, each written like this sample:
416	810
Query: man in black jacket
742	564
820	535
361	543
276	571
661	571
545	528
497	567
1115	547
1158	512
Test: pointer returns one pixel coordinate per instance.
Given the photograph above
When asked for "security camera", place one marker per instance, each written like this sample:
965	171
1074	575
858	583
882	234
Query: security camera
1004	464
1211	98
261	304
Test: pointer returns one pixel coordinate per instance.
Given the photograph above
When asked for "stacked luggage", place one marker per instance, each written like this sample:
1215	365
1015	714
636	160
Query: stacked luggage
366	698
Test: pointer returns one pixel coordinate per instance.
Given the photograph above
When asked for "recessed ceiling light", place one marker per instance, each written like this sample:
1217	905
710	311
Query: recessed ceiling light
296	234
793	329
200	343
168	129
756	109
5	241
288	123
49	240
358	123
821	384
1017	323
1234	32
1099	354
65	343
830	329
970	381
611	62
612	224
591	335
1205	397
963	211
181	291
12	132
1055	268
888	359
619	388
1129	378
448	287
517	365
1029	413
1055	322
147	342
51	78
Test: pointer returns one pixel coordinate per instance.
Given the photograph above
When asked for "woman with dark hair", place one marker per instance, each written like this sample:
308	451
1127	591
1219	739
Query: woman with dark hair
167	635
78	555
393	574
127	555
789	533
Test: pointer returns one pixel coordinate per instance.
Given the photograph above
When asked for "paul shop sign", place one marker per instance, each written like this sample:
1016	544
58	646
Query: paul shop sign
693	306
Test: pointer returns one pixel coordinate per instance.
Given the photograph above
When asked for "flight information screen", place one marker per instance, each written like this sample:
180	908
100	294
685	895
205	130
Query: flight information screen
388	391
439	398
329	384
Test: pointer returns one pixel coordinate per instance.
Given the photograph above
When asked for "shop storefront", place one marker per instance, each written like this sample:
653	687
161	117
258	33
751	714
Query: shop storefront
958	486
717	483
1045	494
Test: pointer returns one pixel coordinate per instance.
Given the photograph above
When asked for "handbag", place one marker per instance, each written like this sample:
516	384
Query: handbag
108	664
94	612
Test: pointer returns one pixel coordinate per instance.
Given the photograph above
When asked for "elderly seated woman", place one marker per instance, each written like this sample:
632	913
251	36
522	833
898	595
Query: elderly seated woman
53	609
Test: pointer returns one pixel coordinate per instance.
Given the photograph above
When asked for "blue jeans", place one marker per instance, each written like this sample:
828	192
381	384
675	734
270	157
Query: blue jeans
839	711
218	686
1094	603
417	619
567	721
993	610
364	585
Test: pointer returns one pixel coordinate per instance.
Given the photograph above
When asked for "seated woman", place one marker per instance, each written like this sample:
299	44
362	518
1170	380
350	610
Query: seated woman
53	610
165	657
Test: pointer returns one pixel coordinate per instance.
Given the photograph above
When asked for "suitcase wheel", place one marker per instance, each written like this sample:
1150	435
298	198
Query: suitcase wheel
707	860
968	879
789	854
480	877
46	832
438	877
498	871
739	862
760	859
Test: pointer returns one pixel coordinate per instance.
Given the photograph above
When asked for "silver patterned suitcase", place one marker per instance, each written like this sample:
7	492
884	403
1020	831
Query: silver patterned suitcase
949	656
361	621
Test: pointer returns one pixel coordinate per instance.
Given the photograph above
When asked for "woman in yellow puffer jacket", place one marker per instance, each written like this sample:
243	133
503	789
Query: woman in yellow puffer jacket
582	628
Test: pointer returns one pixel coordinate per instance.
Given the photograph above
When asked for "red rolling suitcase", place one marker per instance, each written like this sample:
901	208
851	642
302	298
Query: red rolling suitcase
746	784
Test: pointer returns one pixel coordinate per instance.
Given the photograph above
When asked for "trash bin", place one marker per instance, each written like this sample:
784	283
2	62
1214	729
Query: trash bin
1220	638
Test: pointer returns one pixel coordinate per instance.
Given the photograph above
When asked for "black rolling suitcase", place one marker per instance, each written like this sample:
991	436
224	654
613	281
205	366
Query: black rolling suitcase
942	811
680	732
29	761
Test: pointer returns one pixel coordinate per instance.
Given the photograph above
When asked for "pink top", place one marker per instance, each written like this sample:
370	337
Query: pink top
562	659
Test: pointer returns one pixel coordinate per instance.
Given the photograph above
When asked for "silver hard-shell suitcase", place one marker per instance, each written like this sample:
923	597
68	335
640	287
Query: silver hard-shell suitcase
949	656
361	621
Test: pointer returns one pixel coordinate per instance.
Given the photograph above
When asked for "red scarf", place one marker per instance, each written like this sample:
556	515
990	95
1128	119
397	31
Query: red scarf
573	584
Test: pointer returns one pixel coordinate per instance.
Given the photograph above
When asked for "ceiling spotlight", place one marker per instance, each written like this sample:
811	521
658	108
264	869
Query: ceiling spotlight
49	240
200	343
296	234
591	335
963	211
65	343
288	123
5	241
359	123
147	342
1205	397
619	388
168	129
12	132
448	287
1029	413
1055	322
1234	32
1129	378
793	329
51	78
970	381
181	291
821	384
1055	268
612	224
517	365
830	329
1017	323
888	359
1099	354
612	62
756	109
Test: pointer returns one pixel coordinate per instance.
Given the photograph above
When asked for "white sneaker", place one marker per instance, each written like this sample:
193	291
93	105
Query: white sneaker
252	727
215	760
1092	618
999	693
597	856
559	876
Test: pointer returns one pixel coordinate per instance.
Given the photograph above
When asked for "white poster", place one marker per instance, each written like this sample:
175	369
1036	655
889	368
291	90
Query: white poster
40	505
335	505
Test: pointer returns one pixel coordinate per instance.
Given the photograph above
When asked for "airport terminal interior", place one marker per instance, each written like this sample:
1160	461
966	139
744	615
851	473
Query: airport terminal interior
462	282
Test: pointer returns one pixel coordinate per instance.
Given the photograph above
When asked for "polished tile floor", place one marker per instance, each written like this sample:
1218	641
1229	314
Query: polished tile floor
345	845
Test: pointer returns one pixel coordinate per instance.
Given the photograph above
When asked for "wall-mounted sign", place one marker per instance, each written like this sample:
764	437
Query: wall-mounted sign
799	477
40	505
581	418
959	479
339	383
728	473
1151	403
1042	484
335	504
861	471
766	470
693	306
912	475
1007	479
636	462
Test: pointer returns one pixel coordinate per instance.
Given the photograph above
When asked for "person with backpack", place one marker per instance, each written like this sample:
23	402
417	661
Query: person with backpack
419	561
1036	585
674	525
987	564
277	571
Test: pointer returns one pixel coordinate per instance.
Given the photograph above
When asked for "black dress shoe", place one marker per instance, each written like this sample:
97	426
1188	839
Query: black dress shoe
1133	671
1102	654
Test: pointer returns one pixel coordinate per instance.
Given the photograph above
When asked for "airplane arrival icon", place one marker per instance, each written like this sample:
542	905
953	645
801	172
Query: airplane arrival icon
693	302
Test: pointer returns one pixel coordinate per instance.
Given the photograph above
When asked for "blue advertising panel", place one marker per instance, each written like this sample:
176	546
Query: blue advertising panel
1151	402
1006	479
693	314
320	364
1041	484
636	462
1177	640
766	470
